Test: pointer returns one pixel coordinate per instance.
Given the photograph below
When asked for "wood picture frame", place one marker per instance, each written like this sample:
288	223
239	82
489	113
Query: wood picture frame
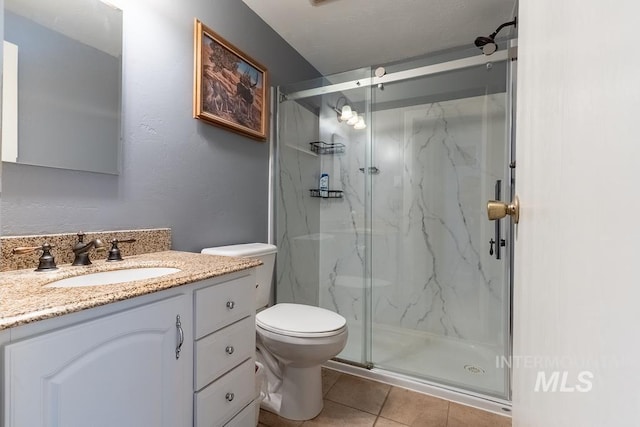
230	87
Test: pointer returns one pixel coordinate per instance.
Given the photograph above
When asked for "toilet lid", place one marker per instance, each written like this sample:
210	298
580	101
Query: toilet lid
300	320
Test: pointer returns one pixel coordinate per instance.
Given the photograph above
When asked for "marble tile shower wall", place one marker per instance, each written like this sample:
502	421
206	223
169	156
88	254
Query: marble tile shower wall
342	249
432	271
431	264
298	215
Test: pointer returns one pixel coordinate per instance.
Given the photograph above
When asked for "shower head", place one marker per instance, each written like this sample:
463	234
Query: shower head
488	44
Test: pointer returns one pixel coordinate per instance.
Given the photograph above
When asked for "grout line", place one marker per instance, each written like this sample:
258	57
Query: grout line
350	407
384	402
340	374
325	397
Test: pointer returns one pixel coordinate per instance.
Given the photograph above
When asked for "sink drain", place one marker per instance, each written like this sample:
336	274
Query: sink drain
474	369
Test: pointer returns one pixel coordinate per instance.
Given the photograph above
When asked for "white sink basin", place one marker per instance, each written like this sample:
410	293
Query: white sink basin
112	277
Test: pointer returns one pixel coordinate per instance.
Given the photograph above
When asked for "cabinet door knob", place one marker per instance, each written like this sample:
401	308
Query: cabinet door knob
229	349
230	305
229	397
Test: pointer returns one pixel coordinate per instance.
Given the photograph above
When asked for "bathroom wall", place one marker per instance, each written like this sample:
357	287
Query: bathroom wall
208	185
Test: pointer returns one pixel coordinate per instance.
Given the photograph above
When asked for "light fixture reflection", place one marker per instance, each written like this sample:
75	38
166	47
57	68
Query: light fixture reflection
346	113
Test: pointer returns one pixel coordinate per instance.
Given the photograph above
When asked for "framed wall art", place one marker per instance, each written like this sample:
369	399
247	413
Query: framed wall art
230	87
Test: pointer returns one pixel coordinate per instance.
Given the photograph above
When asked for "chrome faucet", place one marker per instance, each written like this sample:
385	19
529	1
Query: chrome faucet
81	249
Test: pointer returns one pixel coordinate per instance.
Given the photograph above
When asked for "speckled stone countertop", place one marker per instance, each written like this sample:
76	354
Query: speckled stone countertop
24	299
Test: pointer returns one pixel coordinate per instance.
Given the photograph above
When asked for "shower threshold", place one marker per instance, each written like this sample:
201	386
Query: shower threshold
430	363
463	397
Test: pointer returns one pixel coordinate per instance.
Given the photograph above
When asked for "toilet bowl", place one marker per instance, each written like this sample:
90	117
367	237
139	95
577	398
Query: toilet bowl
292	341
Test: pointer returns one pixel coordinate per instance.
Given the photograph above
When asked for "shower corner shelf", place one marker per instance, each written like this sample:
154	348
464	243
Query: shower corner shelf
321	147
331	194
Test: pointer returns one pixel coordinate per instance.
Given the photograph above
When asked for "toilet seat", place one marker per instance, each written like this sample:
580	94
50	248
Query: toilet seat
299	320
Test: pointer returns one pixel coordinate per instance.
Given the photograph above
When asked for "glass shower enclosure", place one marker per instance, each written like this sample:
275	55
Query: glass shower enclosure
399	243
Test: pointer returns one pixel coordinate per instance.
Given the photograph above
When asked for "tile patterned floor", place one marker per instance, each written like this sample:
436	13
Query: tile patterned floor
351	401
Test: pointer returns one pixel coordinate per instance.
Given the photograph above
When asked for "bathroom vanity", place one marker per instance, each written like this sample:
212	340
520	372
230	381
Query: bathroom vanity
177	350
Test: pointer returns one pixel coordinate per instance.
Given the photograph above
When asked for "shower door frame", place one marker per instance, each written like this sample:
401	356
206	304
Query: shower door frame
442	67
433	69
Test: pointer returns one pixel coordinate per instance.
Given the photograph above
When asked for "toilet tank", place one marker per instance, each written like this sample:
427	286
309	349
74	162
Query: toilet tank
264	273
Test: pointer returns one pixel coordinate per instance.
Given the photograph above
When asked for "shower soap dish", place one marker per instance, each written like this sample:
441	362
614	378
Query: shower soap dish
321	147
331	194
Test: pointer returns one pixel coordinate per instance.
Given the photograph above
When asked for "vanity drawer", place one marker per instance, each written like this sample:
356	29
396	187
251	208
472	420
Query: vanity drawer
223	304
246	418
224	398
219	352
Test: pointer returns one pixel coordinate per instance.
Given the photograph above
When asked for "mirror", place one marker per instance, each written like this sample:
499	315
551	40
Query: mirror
62	84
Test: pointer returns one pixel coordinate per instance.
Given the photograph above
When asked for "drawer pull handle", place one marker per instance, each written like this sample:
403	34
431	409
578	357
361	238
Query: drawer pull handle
229	397
229	350
230	305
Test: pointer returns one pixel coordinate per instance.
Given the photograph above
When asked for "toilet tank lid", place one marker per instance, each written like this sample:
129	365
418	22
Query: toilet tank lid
243	250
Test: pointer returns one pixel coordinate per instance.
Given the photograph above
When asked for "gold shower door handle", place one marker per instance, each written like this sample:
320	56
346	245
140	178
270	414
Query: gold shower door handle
498	210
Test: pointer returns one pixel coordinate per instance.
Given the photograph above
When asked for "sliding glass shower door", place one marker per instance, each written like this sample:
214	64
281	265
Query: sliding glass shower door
440	283
399	243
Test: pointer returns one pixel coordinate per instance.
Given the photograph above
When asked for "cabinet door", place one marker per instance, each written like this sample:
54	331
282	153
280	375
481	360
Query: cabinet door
119	370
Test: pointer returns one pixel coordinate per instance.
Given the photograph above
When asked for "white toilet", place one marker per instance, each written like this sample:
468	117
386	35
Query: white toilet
292	340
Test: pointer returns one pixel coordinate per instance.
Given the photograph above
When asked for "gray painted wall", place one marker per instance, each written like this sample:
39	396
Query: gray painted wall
209	185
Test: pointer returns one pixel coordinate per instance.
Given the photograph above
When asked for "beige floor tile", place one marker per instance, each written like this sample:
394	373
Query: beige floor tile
329	378
359	393
272	420
415	409
466	416
336	415
383	422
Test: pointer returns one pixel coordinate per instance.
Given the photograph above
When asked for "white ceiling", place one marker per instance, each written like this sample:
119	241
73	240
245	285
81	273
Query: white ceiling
341	35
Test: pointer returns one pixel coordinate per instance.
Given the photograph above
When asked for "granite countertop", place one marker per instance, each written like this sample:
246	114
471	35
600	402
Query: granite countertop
24	299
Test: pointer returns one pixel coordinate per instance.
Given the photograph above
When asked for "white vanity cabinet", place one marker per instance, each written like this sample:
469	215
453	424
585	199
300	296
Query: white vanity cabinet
224	354
117	370
117	364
